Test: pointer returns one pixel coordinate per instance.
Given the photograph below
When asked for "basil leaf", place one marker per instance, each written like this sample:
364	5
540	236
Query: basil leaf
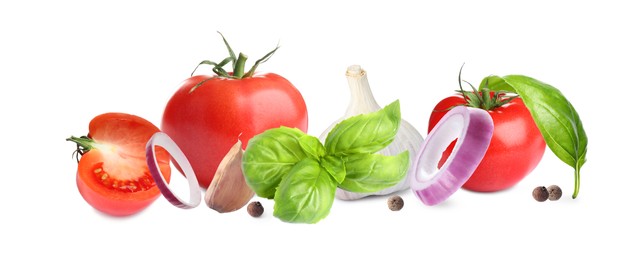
269	156
553	114
366	133
312	146
374	172
306	193
335	167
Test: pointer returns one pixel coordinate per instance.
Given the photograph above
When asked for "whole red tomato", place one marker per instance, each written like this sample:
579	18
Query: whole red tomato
207	120
515	149
112	175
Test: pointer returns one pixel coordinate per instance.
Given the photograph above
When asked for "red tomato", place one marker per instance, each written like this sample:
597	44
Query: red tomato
207	121
113	176
515	149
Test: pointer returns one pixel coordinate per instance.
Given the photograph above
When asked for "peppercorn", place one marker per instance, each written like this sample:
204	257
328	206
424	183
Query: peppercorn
540	193
255	209
395	203
554	192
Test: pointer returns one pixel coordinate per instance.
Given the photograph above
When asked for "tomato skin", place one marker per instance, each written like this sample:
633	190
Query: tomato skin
515	149
129	135
208	121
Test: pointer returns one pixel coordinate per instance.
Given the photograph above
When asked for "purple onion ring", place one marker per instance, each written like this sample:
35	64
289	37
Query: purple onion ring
473	129
163	140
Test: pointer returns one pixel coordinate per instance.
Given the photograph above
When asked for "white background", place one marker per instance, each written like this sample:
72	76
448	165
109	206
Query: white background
64	62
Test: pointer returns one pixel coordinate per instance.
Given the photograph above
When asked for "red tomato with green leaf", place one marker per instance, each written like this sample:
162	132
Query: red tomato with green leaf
210	113
516	146
112	175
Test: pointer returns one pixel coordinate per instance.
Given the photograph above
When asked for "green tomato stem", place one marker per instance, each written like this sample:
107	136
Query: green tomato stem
577	181
238	64
83	145
83	142
239	67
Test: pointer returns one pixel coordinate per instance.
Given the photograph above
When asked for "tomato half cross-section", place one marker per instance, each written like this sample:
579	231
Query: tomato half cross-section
516	146
210	113
112	175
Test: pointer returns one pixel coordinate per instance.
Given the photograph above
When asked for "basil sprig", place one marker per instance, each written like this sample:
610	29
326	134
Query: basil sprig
302	175
553	114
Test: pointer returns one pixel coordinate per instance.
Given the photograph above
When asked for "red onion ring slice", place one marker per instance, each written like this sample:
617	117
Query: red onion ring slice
473	129
163	140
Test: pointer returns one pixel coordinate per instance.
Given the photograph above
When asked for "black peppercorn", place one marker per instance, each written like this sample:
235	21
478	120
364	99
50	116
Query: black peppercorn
554	192
540	193
395	203
255	209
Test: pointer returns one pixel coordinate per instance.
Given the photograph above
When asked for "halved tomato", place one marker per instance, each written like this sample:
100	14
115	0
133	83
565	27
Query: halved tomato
113	176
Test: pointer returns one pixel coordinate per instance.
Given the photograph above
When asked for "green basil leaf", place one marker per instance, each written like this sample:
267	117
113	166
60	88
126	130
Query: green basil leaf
335	166
269	156
365	133
306	193
374	172
554	115
312	146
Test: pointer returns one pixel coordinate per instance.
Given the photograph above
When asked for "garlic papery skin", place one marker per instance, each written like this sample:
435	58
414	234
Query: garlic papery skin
362	101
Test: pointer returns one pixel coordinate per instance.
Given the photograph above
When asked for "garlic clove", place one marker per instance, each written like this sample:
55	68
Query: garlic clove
362	101
228	190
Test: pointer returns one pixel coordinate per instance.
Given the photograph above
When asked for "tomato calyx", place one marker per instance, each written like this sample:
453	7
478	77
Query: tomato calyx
484	98
238	65
83	145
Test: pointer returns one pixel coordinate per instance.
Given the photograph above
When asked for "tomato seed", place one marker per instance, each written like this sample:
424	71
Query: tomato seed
146	183
141	184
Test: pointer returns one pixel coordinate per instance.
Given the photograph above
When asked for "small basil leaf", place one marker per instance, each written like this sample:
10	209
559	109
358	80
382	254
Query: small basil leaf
335	166
312	146
374	172
306	193
365	133
553	114
269	156
496	83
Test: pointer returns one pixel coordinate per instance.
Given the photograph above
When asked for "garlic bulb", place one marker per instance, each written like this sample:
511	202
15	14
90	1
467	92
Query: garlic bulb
362	101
